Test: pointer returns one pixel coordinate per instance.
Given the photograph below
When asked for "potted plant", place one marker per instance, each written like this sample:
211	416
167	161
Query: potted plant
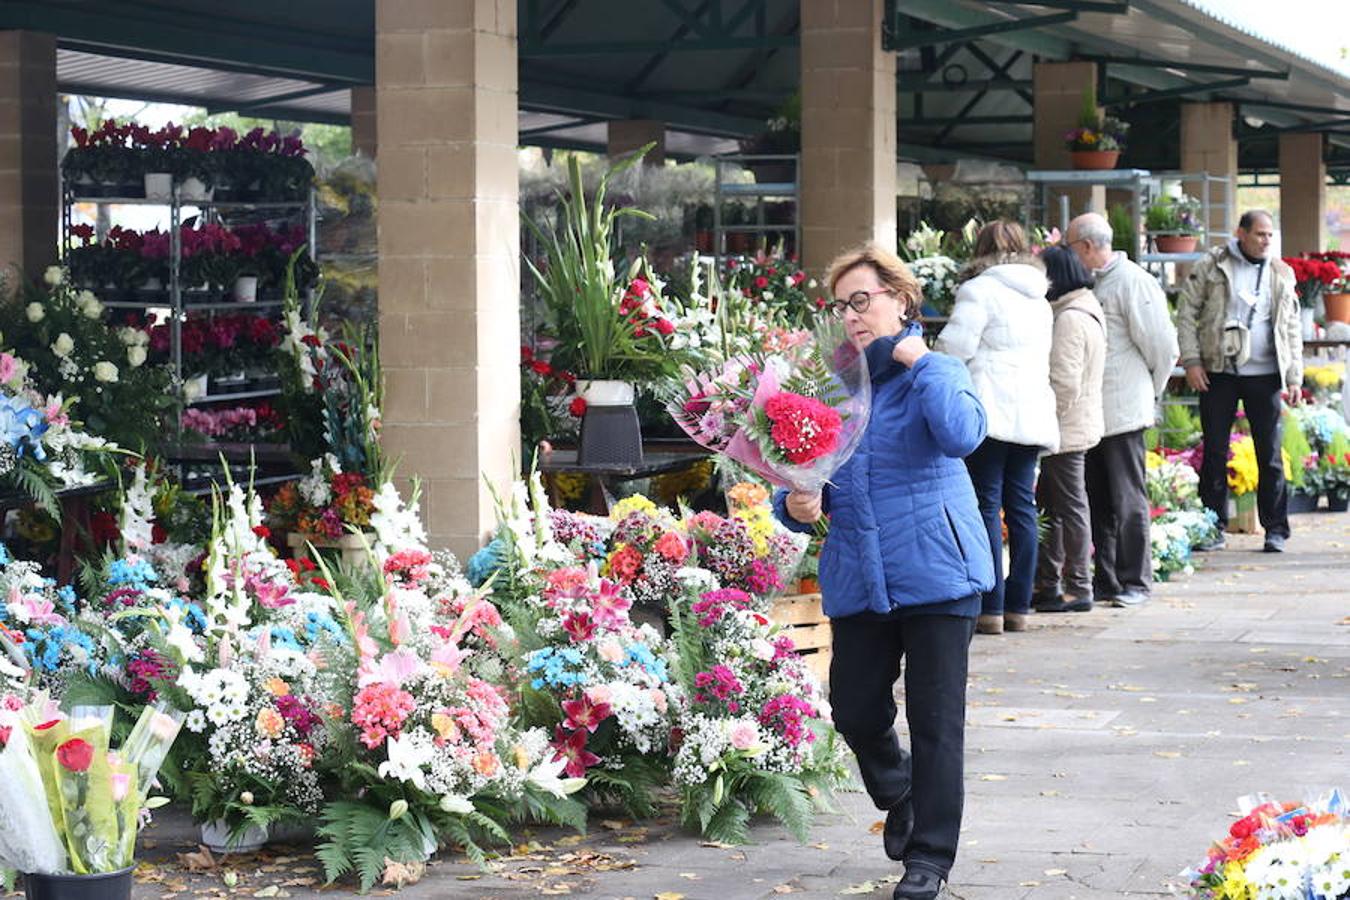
781	137
1098	140
610	327
71	804
1312	278
1304	482
1335	293
1174	223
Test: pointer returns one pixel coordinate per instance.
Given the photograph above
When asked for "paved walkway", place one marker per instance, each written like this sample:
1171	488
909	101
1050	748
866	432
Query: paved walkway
1105	750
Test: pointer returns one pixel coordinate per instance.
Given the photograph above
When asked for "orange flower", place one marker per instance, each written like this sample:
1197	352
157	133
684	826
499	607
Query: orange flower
276	687
270	723
486	763
747	493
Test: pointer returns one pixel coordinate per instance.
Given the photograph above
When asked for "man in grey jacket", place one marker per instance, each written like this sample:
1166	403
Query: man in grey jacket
1141	350
1241	339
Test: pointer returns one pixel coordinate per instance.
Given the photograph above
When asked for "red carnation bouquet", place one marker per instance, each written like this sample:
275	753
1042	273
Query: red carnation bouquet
792	416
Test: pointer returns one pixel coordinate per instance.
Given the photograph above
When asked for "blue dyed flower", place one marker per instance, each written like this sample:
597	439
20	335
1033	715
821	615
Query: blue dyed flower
486	562
641	655
22	426
319	624
137	573
556	667
5	558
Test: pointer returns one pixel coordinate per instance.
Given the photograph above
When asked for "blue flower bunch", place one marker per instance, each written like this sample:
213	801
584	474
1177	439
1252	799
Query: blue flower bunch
556	667
641	655
318	624
192	615
136	573
22	426
486	562
49	648
285	639
5	558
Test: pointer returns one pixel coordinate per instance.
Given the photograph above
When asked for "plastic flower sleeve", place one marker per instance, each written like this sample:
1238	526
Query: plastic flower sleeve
83	718
45	737
793	416
149	742
84	784
29	841
126	797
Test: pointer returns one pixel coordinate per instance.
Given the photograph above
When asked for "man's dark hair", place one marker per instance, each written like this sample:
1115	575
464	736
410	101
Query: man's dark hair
1250	216
1065	271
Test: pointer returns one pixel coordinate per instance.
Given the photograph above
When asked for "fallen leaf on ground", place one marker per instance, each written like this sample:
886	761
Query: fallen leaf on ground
993	777
783	889
1167	754
200	860
865	887
669	895
1057	871
876	827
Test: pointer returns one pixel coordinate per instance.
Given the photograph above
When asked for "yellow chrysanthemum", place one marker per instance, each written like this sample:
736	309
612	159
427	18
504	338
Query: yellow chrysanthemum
1153	460
1326	377
1235	884
630	505
1242	469
759	522
685	483
571	485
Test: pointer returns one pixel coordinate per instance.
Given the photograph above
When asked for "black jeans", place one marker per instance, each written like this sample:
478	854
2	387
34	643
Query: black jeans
1004	476
1260	396
1120	520
866	663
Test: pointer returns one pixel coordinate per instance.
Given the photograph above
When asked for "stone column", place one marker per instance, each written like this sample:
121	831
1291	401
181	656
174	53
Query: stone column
1057	94
627	135
1208	145
1303	194
449	270
848	130
364	136
30	198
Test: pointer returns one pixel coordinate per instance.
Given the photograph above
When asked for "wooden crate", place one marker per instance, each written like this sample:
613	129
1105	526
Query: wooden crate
803	621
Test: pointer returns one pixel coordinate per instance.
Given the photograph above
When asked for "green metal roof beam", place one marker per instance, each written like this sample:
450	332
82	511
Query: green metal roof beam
606	48
1091	6
1170	93
1292	107
899	36
948	15
1140	62
192	46
278	99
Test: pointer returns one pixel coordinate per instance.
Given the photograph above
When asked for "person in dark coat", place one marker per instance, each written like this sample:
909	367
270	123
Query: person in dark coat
903	567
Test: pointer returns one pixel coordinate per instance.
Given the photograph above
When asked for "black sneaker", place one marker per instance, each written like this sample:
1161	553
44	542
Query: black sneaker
1217	543
1274	543
919	884
1047	602
899	826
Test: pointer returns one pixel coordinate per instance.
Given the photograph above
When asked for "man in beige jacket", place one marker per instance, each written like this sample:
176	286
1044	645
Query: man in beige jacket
1241	339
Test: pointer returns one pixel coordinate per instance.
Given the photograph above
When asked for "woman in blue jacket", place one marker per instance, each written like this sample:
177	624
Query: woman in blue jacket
903	567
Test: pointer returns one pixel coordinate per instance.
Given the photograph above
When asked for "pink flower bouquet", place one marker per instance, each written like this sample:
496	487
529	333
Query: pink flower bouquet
792	417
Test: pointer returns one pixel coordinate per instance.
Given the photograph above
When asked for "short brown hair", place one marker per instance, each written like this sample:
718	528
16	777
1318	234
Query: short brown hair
1000	238
891	271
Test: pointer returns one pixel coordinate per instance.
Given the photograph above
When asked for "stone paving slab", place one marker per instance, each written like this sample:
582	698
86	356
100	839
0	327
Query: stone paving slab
1104	751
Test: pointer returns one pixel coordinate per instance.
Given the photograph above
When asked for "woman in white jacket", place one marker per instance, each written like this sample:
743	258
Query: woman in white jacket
1001	329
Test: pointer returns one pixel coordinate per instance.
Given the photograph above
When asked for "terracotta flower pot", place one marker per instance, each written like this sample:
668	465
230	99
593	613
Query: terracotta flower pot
1337	307
808	584
1095	159
1176	243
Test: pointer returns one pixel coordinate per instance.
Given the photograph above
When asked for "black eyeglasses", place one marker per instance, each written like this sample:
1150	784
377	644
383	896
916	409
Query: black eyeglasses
858	301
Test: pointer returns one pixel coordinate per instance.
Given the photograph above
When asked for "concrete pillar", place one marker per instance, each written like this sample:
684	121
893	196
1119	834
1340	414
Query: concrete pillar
29	185
1057	94
627	135
848	129
364	136
1208	145
449	268
1303	194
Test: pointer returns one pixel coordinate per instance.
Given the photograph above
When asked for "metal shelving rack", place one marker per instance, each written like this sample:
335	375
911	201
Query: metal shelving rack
178	301
725	190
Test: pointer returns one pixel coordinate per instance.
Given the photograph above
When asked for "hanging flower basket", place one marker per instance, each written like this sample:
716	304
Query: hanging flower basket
1095	159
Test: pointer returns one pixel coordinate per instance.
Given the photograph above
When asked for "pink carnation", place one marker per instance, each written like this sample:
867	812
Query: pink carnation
804	429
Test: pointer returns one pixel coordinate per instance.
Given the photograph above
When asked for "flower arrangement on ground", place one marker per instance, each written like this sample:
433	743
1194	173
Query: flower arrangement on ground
753	735
1280	850
791	417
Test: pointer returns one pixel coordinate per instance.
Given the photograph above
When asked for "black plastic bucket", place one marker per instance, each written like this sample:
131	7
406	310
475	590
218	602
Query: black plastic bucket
103	886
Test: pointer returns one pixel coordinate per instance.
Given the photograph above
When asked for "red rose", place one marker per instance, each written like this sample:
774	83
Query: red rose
577	407
541	368
262	531
761	282
75	754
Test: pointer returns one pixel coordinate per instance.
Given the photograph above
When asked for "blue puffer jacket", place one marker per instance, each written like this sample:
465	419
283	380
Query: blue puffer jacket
905	527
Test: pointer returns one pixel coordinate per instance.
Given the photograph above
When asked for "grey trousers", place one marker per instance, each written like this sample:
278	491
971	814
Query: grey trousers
1120	519
1066	548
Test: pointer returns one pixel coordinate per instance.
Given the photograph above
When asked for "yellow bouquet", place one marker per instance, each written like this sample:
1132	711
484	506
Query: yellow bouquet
1242	468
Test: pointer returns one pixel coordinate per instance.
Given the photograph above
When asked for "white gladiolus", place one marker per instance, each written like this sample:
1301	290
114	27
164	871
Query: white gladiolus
105	371
63	345
135	356
54	275
36	312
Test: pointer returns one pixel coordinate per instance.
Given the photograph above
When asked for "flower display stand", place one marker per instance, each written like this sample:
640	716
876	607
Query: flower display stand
351	548
807	625
1242	514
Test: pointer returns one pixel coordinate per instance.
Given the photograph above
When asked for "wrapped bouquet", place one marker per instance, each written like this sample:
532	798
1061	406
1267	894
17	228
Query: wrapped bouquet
1299	851
792	416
